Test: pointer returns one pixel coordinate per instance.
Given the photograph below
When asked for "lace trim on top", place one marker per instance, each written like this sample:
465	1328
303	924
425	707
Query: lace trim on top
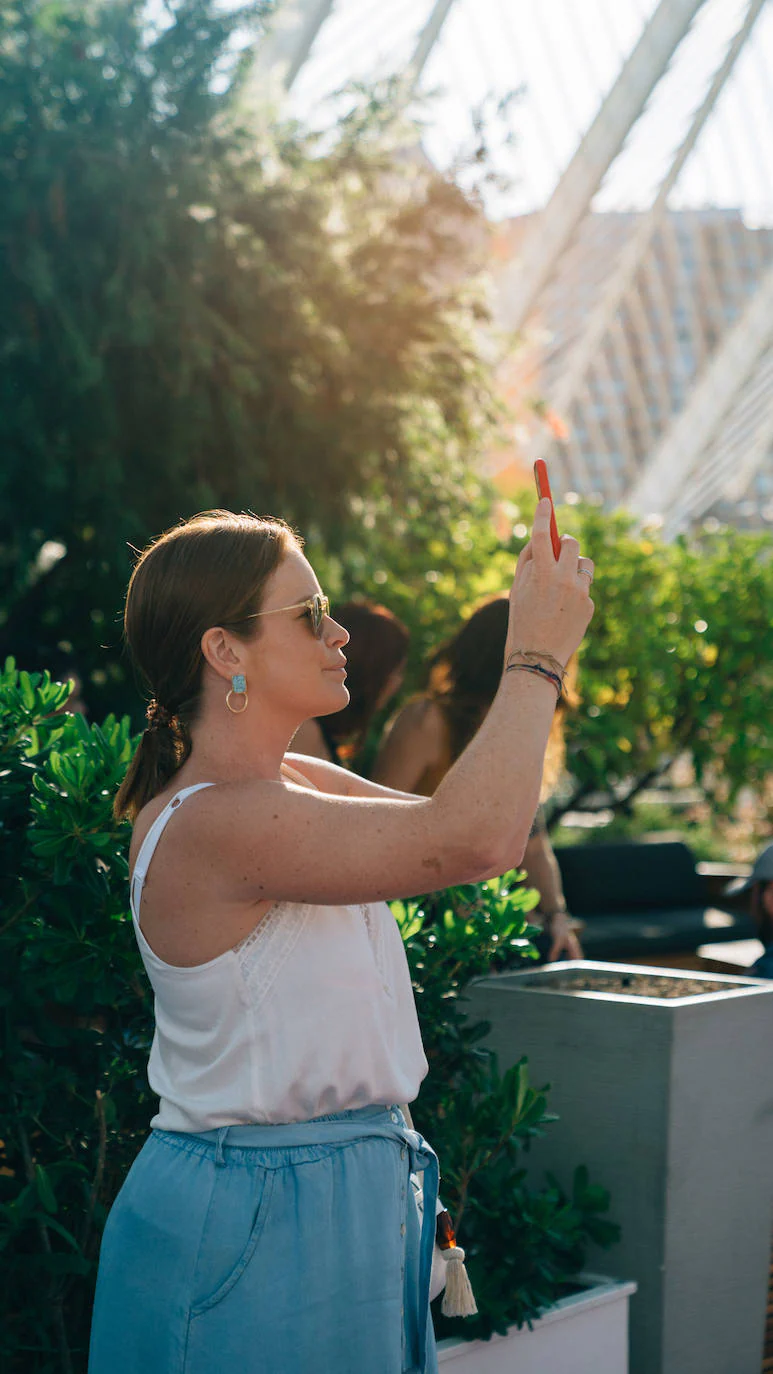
262	953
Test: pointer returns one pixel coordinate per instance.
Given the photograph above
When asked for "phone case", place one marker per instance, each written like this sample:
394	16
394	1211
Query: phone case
543	489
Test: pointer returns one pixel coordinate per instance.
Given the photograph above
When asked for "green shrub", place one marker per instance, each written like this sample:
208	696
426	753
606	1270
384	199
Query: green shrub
77	1028
77	1017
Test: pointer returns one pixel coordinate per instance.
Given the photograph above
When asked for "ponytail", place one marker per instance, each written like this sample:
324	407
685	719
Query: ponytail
164	747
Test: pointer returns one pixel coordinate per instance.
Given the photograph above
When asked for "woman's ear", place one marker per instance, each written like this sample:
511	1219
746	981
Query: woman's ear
217	646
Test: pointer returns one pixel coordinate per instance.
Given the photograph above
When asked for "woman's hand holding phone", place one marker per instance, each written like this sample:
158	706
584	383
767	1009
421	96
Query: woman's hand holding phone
550	603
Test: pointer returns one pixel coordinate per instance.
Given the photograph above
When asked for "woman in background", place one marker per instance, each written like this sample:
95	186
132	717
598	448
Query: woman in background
375	667
431	731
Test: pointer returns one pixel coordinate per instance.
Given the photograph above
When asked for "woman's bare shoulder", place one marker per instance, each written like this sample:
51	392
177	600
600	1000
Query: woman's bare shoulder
421	713
415	740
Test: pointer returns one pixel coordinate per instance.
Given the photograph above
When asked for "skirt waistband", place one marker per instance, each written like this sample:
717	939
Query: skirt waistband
320	1130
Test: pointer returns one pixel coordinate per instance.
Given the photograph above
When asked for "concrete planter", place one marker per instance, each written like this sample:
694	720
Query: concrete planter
584	1334
669	1102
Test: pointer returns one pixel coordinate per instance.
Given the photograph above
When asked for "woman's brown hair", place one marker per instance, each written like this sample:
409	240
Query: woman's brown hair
209	570
465	674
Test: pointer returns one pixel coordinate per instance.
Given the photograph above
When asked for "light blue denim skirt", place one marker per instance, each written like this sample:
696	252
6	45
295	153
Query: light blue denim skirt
294	1249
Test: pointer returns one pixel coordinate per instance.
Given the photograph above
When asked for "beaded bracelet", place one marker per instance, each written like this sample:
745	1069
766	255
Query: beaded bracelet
538	671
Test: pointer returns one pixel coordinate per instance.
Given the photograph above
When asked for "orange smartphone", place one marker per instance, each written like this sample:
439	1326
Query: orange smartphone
543	489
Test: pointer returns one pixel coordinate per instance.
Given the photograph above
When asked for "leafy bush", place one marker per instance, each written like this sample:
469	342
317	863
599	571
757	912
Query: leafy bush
77	1028
524	1245
77	1017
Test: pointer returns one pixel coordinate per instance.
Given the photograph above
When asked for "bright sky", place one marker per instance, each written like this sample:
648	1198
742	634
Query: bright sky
556	59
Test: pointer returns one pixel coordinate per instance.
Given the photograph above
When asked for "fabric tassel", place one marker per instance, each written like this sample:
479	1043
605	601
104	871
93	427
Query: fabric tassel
458	1298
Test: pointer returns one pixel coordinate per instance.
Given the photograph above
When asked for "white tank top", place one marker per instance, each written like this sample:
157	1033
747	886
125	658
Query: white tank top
312	1013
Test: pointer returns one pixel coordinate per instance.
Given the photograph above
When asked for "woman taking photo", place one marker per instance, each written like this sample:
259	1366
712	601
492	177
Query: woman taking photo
268	1224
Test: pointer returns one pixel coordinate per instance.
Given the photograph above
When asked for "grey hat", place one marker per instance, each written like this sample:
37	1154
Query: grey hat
761	873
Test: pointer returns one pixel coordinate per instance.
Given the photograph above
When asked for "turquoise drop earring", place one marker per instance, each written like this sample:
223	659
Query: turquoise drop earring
238	689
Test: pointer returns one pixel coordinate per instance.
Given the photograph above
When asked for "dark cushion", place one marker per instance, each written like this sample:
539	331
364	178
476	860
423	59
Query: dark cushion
617	934
621	878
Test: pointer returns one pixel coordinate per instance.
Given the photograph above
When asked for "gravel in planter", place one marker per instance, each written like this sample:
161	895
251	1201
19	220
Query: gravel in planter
628	984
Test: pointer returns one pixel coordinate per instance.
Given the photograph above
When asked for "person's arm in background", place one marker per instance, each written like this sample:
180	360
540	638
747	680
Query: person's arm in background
542	872
416	742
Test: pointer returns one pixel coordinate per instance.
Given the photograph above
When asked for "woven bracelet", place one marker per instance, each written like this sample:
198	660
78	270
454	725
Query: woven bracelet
537	656
538	671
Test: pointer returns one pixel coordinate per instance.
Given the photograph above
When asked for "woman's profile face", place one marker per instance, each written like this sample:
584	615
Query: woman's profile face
291	668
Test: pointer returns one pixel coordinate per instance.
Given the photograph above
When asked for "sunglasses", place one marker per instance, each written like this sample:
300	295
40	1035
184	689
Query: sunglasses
318	607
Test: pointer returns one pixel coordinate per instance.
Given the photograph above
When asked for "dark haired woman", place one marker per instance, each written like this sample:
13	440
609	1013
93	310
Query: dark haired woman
268	1225
375	667
431	731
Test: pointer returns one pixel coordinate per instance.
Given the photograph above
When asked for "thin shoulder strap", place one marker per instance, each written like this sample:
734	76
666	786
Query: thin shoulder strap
148	846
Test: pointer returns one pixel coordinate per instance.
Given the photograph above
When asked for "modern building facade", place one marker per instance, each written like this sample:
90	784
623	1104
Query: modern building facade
700	271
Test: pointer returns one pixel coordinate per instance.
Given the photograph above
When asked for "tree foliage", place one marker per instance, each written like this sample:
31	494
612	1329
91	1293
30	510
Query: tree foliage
202	311
678	658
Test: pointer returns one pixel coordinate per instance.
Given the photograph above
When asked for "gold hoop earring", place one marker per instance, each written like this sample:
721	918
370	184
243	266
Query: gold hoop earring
238	689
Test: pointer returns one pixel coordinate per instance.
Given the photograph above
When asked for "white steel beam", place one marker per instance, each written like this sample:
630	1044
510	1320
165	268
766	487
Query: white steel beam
426	41
737	453
526	274
287	44
585	351
747	464
290	38
708	407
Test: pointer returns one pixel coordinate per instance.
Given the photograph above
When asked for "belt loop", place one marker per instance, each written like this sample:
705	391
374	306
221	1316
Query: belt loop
219	1156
